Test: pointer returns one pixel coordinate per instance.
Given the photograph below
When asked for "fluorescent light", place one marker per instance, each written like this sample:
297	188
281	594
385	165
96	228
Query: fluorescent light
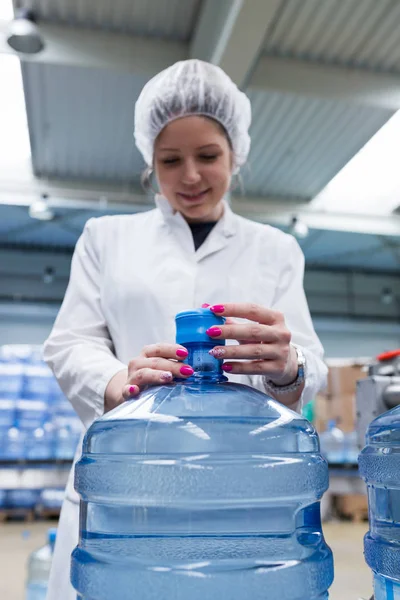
298	228
39	209
6	10
370	182
14	139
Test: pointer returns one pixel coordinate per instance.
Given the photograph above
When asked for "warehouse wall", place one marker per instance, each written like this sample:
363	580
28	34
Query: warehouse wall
349	339
350	294
25	323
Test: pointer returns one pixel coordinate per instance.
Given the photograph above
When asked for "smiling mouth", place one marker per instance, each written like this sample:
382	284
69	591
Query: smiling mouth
193	197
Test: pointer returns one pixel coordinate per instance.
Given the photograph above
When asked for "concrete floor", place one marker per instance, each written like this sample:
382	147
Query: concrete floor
352	577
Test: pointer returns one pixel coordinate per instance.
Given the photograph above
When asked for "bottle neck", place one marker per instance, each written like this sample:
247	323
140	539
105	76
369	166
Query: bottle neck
206	367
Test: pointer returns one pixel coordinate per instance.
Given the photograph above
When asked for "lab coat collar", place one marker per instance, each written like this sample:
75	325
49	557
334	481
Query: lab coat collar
227	224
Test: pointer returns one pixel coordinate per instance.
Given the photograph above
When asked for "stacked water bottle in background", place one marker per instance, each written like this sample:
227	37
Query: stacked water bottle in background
39	565
37	423
36	420
10	390
337	446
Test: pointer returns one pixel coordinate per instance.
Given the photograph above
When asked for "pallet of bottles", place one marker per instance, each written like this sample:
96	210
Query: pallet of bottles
29	505
36	420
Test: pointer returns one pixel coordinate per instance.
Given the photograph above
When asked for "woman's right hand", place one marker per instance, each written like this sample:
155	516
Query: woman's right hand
157	364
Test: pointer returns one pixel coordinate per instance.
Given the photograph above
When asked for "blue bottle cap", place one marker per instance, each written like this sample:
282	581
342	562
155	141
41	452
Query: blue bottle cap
191	326
51	535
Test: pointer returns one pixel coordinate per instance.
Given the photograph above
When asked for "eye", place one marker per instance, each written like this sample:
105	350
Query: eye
170	161
208	157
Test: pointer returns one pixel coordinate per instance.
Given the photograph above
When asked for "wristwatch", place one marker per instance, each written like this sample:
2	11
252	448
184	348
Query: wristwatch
273	388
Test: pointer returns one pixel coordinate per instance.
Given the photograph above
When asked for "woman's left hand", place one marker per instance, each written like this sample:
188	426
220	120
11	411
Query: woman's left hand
264	343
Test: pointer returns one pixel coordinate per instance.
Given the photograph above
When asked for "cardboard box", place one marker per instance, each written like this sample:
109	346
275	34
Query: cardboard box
338	401
321	413
343	411
342	380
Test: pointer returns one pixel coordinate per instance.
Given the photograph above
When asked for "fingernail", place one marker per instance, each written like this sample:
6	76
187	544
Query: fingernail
166	376
218	308
205	305
227	368
213	331
185	370
182	353
133	389
217	352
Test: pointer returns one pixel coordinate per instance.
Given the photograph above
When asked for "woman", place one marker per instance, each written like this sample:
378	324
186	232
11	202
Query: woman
131	274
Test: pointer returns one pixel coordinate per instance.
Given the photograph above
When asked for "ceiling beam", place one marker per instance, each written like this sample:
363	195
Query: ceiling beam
236	54
280	212
79	47
306	78
231	33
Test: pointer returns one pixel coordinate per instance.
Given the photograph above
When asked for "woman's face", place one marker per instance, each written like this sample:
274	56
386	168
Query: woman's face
193	164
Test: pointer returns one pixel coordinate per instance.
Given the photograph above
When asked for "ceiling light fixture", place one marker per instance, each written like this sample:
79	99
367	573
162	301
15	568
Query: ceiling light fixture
387	296
298	228
40	209
48	275
23	34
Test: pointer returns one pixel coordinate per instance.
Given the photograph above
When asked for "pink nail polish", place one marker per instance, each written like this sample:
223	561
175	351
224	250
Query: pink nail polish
185	370
217	352
227	368
182	353
214	331
132	389
218	308
166	376
205	305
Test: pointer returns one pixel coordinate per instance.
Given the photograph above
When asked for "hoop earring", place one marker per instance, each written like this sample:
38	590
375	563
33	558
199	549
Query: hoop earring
151	173
236	183
146	180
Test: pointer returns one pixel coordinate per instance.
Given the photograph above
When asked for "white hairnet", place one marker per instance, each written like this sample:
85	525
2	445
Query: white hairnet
192	87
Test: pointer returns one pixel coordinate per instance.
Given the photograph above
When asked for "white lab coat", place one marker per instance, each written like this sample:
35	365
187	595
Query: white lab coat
130	275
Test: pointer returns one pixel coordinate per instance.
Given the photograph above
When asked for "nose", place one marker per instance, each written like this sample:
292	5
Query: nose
190	175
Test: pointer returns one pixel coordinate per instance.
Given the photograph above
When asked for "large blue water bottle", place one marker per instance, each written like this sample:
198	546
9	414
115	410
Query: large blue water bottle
201	489
379	465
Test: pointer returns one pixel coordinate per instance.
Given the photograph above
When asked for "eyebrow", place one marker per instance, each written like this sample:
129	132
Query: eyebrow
215	145
199	148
